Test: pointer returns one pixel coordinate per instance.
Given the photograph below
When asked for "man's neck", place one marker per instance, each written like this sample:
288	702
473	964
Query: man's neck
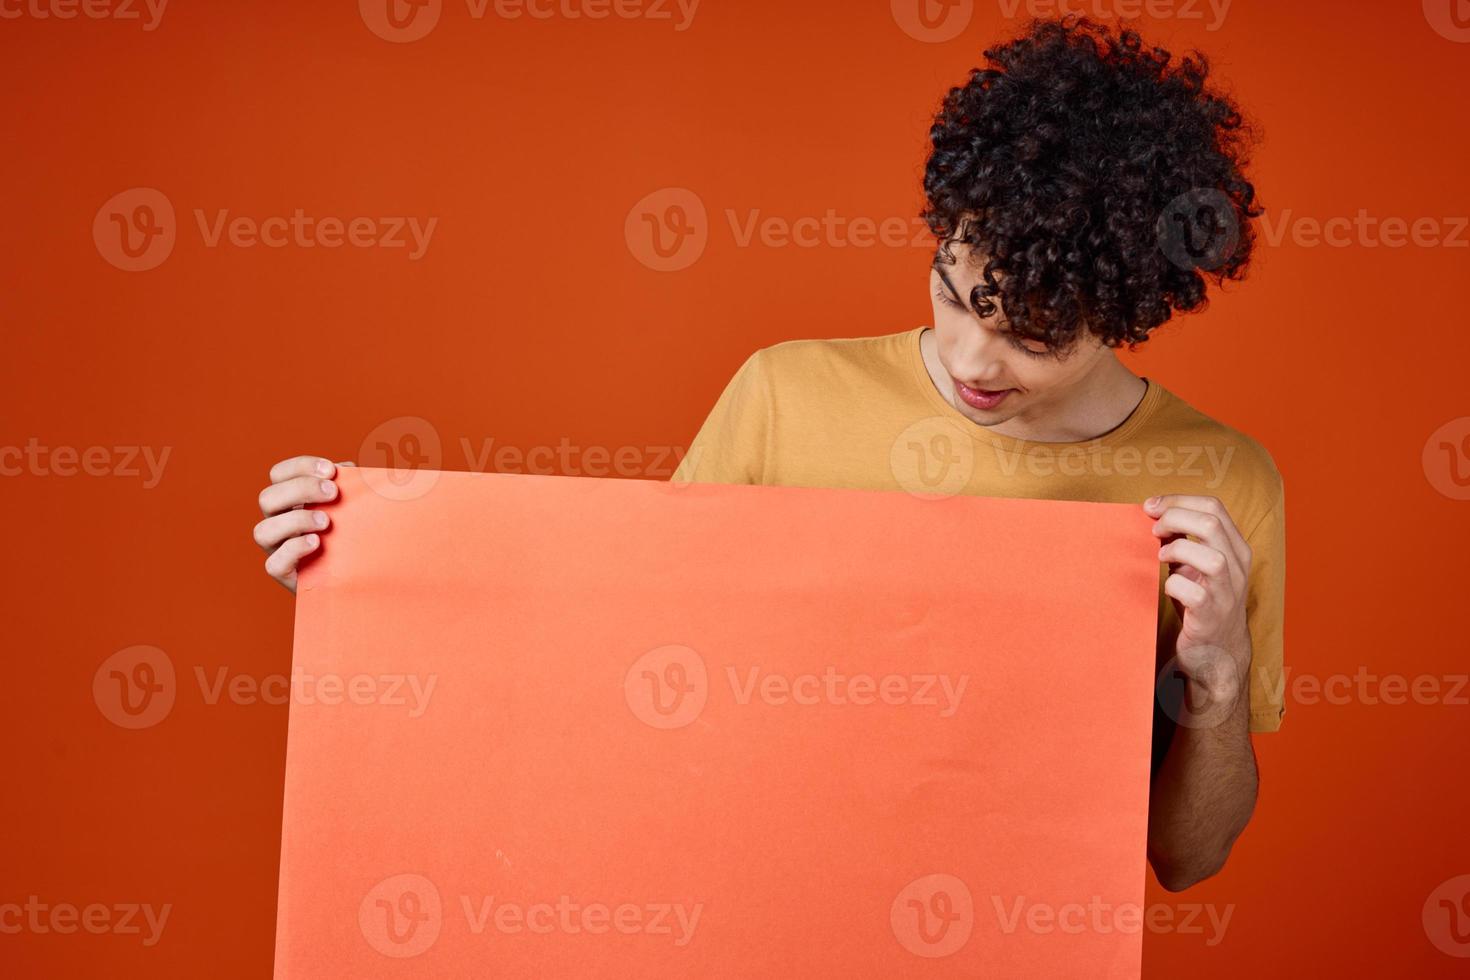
1097	404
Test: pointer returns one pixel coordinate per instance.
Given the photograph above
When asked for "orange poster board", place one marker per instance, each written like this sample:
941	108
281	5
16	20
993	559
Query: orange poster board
551	726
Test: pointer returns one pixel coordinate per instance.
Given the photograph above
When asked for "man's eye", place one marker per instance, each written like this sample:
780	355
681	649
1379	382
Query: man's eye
1020	344
947	299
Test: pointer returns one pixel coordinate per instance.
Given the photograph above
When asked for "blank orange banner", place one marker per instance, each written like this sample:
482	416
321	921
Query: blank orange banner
547	726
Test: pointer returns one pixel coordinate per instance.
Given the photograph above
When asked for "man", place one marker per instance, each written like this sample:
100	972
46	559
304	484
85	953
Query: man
1082	188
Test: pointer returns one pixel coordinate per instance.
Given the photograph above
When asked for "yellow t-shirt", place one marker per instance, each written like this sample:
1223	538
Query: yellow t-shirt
863	413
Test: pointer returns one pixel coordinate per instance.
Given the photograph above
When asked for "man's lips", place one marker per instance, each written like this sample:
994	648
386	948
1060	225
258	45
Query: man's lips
980	398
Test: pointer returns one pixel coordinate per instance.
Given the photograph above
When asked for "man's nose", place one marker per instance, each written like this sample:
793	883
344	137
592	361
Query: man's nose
979	358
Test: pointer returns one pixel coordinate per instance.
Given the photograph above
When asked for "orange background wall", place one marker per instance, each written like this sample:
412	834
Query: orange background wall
530	320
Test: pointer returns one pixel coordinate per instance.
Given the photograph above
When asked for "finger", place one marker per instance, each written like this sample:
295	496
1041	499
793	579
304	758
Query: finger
1189	572
302	490
281	564
1202	525
270	532
1210	505
1169	539
1209	562
288	469
1157	506
1190	595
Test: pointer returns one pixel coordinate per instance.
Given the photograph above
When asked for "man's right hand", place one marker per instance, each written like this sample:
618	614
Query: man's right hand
290	530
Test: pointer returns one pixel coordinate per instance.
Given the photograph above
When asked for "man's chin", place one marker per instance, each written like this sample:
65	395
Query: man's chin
988	417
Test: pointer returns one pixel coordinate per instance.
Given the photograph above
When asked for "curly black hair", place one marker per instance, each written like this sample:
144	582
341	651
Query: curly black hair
1100	184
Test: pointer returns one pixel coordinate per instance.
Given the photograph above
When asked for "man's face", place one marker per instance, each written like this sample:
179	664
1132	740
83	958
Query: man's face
994	374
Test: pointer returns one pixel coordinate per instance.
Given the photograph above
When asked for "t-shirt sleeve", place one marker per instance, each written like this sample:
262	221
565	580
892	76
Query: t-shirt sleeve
1265	613
732	444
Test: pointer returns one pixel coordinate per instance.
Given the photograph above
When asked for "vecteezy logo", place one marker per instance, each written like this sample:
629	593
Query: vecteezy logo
405	455
933	458
135	230
932	21
1446	459
1447	917
401	916
1199	687
400	21
933	916
1449	18
1199	230
667	687
135	688
667	230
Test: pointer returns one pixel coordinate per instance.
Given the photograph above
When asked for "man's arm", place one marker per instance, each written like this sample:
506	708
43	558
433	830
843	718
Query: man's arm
1204	791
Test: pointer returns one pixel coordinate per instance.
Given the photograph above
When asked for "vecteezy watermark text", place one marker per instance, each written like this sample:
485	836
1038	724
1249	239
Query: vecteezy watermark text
1097	916
1367	688
1364	230
669	229
403	915
408	691
668	687
148	12
672	919
1100	459
96	918
831	687
36	459
1211	12
406	21
137	688
136	230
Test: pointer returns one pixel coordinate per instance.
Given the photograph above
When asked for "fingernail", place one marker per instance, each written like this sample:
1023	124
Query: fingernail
312	540
323	468
1151	503
319	519
329	488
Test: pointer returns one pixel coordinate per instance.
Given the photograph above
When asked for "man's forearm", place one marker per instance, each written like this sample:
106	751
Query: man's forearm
1201	798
